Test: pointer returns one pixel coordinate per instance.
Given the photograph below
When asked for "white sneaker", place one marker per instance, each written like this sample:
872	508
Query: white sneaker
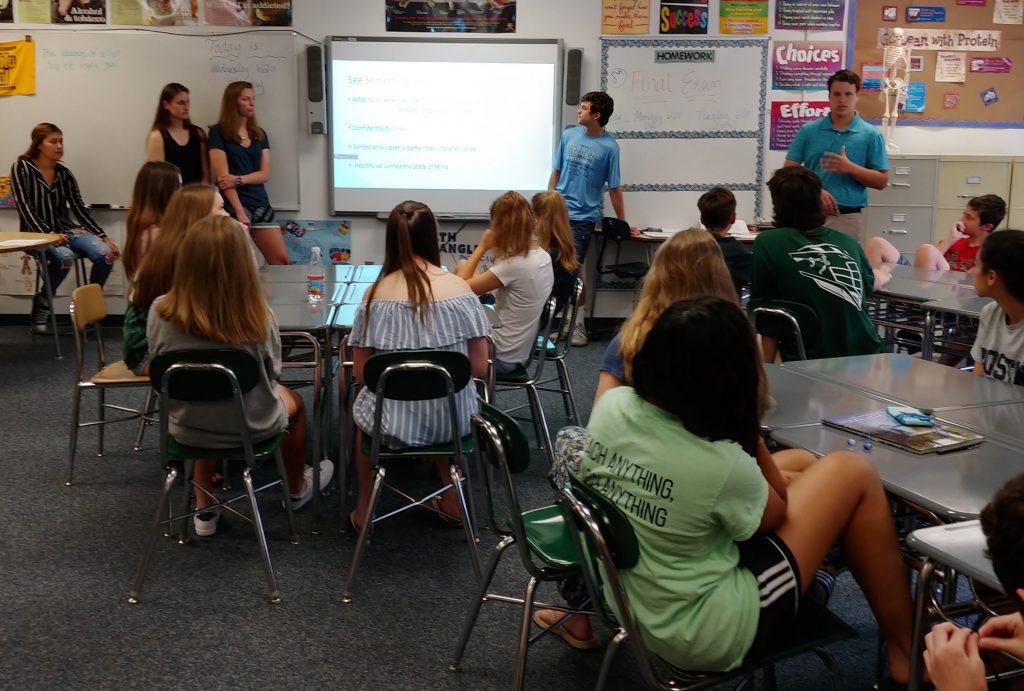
579	336
326	473
205	527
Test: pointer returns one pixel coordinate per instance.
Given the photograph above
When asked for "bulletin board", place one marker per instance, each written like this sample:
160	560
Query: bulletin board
946	104
101	88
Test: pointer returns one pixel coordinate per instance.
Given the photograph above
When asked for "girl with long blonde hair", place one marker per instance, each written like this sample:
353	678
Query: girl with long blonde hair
240	162
153	276
521	277
554	235
215	300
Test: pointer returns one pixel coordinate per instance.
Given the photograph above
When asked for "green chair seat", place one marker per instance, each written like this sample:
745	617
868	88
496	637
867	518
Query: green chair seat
445	449
176	449
548	537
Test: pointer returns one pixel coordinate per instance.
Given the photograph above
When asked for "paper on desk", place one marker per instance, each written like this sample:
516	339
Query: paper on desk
18	243
739	228
659	234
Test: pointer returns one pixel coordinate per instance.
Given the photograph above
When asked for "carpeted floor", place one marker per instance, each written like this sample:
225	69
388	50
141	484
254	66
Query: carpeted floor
68	555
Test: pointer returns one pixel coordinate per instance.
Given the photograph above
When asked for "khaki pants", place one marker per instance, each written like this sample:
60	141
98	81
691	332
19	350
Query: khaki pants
851	224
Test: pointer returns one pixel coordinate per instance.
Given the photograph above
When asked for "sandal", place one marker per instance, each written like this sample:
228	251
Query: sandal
442	515
542	618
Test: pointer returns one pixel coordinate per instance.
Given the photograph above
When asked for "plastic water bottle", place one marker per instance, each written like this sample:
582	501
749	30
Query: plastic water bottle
315	277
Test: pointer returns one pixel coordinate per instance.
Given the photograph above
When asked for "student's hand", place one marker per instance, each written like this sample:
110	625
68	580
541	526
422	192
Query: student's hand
62	239
487	239
836	162
828	203
243	218
1005	633
114	249
634	232
952	659
956	232
226	181
883	274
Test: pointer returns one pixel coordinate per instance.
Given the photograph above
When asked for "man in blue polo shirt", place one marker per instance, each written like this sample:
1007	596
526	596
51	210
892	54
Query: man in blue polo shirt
847	153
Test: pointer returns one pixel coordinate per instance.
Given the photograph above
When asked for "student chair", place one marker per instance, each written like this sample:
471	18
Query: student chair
88	307
615	231
558	351
539	535
198	376
416	375
789	323
602	534
529	377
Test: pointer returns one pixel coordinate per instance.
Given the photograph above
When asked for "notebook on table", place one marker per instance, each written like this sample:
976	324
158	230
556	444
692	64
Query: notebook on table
879	425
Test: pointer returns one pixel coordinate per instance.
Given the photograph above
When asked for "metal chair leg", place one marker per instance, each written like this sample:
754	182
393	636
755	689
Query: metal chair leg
924	579
186	502
378	482
467	520
76	405
829	660
542	421
133	596
524	635
455	664
102	417
287	498
147	410
568	393
609	654
261	537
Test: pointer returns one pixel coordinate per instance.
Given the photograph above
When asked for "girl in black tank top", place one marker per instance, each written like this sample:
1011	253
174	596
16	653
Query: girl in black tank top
171	124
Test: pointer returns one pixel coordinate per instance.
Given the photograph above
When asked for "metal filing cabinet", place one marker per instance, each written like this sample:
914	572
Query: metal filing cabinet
962	178
902	212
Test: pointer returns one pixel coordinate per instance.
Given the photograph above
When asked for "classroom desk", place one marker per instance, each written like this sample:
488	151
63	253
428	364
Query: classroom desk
911	381
804	400
35	244
299	273
959	318
954	486
899	305
1003	422
966	306
912	290
902	271
960	546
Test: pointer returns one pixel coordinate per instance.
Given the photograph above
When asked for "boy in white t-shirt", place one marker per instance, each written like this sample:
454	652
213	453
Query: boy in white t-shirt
998	350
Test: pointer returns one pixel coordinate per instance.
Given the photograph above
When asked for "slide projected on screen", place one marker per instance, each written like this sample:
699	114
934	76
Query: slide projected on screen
452	124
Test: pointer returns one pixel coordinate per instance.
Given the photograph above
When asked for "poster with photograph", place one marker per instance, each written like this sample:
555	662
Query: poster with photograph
34	11
787	117
805	64
154	12
817	15
451	16
247	12
79	12
6	11
991	65
625	17
691	18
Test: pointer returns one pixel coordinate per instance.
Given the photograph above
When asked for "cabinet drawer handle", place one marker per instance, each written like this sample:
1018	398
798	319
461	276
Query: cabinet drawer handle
899	184
895	231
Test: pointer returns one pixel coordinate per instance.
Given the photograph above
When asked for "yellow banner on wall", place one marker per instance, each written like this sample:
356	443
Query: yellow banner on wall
17	68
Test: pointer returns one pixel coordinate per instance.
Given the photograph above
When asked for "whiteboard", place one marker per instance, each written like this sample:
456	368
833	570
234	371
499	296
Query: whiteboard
689	115
101	88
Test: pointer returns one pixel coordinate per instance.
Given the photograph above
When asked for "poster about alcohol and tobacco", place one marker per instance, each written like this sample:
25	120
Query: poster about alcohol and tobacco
451	16
625	17
80	12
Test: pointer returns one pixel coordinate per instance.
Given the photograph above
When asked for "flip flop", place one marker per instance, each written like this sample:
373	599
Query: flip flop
545	623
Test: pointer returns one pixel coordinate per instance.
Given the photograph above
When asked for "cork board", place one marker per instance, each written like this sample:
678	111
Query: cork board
946	103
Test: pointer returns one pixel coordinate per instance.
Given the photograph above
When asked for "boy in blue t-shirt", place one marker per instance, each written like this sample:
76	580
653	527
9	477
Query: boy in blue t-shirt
586	161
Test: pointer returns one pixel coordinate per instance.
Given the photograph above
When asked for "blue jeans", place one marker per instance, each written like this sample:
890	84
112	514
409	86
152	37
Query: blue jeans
60	259
582	232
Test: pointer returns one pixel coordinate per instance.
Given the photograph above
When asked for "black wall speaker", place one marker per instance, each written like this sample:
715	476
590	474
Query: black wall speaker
316	107
573	69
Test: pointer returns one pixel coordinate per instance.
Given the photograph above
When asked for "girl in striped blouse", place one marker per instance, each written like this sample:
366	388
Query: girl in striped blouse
45	192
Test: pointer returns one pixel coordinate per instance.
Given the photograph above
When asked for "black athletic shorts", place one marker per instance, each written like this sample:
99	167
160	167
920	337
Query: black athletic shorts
778	580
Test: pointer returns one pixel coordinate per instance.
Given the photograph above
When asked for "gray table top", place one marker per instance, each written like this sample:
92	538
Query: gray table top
959	545
955	485
802	400
922	291
912	273
910	381
966	306
303	316
1002	422
298	273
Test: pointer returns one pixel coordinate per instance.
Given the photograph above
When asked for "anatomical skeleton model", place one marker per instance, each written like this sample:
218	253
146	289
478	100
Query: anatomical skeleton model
896	59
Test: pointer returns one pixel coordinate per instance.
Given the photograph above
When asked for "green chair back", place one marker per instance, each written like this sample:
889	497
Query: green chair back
614	525
516	448
793	324
417	384
193	382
